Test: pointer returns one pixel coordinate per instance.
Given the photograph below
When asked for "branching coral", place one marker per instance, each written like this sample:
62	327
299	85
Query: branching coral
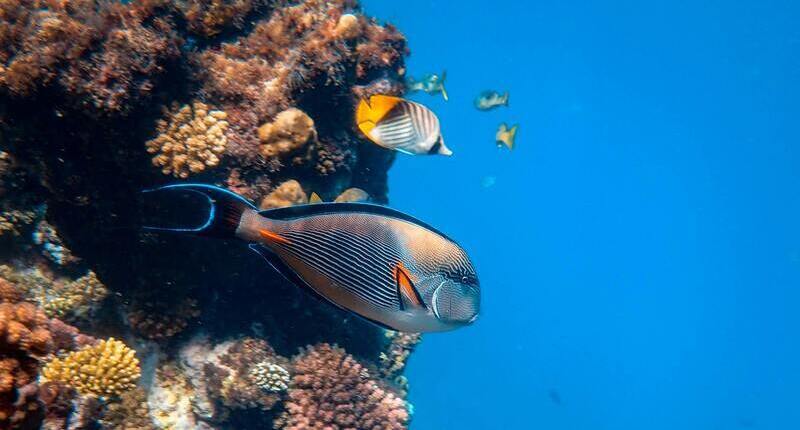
330	389
58	297
290	131
270	377
190	139
289	193
393	360
108	368
230	374
26	335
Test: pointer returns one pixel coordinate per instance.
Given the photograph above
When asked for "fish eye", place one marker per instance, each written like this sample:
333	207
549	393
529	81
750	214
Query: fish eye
464	279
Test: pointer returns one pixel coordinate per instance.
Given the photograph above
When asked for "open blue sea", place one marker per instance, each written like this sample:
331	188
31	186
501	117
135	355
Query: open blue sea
639	250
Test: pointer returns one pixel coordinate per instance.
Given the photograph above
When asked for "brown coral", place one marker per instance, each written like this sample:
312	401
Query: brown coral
352	195
290	131
102	53
209	18
330	389
26	335
289	193
129	412
191	138
160	321
232	377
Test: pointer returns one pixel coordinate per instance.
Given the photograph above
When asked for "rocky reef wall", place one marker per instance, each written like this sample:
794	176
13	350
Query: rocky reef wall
100	100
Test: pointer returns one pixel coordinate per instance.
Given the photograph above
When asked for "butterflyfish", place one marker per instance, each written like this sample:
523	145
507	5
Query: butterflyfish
401	125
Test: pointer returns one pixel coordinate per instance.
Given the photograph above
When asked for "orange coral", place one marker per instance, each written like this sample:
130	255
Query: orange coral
26	335
330	389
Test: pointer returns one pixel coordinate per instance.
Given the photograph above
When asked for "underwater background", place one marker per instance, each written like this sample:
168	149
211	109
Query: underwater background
638	248
638	251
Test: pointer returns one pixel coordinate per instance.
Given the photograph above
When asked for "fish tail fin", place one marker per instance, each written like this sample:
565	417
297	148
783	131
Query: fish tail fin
505	98
512	135
224	215
444	91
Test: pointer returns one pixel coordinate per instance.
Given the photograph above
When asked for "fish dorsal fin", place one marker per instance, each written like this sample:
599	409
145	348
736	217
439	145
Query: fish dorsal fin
406	291
370	112
301	211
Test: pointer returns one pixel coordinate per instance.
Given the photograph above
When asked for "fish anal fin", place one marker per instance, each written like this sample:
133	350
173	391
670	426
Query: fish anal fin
407	293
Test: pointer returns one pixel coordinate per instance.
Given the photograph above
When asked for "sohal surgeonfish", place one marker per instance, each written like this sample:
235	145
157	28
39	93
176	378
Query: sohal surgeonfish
376	262
431	84
506	136
488	100
400	124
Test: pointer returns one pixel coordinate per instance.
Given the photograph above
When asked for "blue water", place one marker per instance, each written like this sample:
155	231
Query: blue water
639	253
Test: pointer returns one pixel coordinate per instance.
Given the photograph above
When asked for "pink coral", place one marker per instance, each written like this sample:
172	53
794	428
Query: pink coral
331	390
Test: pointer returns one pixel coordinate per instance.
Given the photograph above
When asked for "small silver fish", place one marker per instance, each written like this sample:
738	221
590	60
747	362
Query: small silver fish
488	100
431	84
376	262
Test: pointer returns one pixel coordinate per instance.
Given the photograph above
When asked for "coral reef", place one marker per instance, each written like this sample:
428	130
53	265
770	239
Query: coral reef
53	247
108	368
190	139
100	100
155	320
352	195
129	412
289	193
27	336
64	298
270	377
330	389
290	131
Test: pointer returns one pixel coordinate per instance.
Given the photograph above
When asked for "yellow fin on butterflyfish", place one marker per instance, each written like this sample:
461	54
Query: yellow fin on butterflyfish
370	112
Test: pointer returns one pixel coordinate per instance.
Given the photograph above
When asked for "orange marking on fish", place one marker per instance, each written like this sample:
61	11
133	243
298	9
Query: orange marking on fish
405	283
269	235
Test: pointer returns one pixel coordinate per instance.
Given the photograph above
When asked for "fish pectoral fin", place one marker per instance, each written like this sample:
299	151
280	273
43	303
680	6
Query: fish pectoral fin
406	292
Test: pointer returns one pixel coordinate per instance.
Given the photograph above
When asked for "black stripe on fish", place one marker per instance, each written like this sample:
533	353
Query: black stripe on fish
292	277
303	211
436	146
361	265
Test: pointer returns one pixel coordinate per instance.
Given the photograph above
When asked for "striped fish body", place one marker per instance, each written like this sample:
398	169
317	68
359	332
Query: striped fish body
355	259
401	125
376	262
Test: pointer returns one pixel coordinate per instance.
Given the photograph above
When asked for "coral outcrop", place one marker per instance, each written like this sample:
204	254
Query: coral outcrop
291	130
288	193
190	139
27	336
330	389
108	368
100	100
